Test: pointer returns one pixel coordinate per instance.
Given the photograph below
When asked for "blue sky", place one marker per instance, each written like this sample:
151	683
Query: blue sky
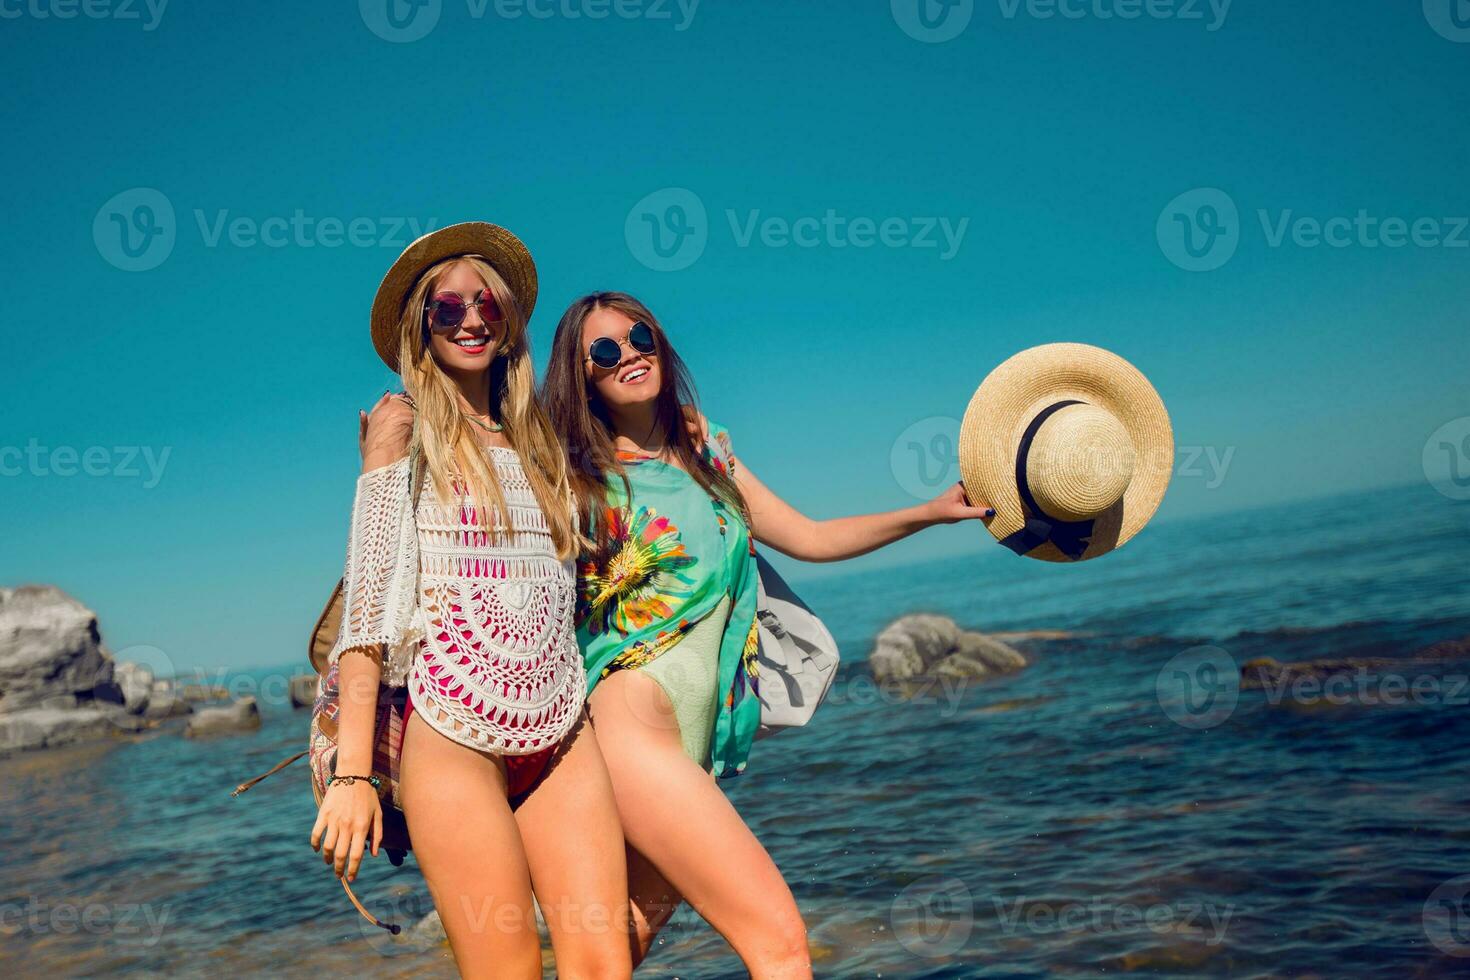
871	220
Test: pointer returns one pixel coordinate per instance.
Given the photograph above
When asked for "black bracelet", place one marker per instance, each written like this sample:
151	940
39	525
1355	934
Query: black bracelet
375	781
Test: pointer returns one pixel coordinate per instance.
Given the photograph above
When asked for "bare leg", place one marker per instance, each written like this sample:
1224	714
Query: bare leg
469	849
574	845
676	817
652	900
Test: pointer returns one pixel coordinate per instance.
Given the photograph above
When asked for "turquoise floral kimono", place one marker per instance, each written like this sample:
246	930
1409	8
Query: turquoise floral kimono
675	554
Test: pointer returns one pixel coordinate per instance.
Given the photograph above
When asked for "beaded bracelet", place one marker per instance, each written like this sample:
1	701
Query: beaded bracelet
374	781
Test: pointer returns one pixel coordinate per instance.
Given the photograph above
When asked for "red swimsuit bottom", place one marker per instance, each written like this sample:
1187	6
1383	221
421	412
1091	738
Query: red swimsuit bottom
522	772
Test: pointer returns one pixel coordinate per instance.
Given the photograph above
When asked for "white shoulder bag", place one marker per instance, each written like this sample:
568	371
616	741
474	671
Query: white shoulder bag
798	658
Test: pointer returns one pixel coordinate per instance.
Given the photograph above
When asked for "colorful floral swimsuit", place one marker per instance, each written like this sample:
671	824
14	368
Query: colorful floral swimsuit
681	572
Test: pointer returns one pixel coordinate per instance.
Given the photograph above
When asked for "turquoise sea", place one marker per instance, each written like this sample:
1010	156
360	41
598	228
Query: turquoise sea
1080	818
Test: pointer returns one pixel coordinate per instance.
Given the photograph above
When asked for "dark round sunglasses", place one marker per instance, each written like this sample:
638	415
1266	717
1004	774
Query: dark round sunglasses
448	310
606	352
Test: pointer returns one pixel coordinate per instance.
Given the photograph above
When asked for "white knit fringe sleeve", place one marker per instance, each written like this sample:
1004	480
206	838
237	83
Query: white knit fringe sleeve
380	585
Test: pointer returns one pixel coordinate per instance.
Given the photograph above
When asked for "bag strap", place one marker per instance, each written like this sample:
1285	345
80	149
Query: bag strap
416	473
416	465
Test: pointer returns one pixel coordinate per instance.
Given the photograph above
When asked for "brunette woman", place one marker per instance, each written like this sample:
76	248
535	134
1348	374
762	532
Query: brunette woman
666	610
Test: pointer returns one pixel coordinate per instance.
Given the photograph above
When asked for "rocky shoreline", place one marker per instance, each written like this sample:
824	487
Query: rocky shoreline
60	685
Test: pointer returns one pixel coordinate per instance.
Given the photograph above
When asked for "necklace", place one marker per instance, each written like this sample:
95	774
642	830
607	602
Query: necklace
487	426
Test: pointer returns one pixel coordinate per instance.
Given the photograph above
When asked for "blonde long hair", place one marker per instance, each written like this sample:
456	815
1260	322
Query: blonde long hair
446	439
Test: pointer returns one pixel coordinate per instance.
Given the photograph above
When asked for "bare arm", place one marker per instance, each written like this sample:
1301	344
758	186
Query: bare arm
351	816
383	440
783	527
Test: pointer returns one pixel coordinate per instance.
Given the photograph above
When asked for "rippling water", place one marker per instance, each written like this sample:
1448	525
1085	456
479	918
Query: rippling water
1055	823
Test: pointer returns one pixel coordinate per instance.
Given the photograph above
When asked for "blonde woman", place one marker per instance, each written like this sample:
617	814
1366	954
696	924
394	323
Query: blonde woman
467	599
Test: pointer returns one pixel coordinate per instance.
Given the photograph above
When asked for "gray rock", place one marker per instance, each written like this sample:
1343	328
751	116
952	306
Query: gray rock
1000	657
167	705
909	646
242	716
39	728
303	690
960	665
925	645
892	662
204	692
49	647
58	684
136	684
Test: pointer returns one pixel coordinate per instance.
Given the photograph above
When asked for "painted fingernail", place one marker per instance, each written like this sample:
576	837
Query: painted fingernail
990	512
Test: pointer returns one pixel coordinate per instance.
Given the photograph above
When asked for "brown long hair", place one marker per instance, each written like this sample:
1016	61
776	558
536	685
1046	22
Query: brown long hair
450	448
584	426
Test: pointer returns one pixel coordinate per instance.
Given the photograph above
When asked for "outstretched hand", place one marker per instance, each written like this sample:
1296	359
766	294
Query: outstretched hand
953	506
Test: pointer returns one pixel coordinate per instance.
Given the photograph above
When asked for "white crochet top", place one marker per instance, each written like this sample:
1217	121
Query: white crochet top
479	629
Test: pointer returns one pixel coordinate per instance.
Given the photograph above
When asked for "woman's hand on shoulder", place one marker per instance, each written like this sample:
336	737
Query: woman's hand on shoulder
696	424
384	433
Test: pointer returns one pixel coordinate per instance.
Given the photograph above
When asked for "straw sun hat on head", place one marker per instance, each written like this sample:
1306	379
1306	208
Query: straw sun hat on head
504	251
1072	447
